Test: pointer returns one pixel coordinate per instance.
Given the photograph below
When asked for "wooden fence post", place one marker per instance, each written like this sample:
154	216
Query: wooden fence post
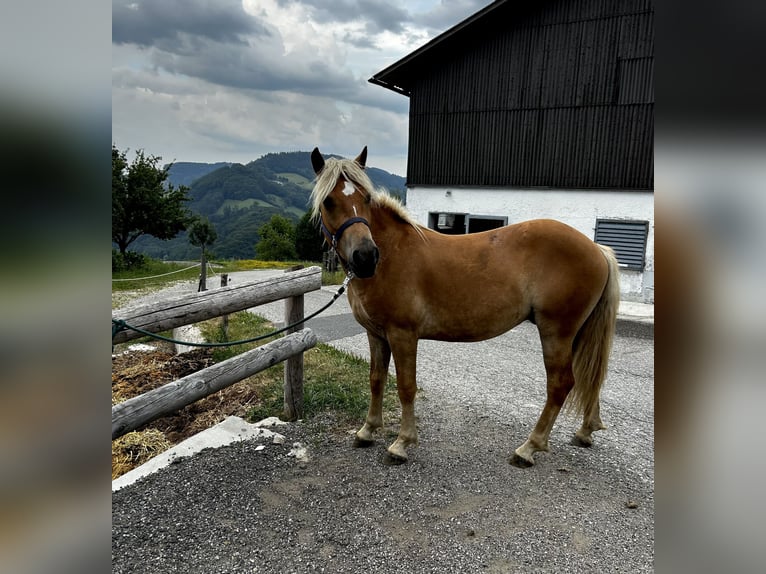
203	272
225	318
294	365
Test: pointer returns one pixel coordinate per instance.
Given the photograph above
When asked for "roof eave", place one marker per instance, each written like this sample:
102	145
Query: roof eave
393	87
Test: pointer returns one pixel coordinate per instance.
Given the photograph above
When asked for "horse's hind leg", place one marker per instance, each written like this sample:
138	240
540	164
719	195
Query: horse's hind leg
380	357
591	422
557	353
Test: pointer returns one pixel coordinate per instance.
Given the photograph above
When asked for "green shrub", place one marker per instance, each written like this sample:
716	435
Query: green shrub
127	261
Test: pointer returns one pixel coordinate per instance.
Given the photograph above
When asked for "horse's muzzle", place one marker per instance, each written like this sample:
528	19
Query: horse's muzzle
364	259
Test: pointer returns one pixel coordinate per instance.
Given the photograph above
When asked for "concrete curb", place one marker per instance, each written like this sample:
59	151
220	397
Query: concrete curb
230	430
635	320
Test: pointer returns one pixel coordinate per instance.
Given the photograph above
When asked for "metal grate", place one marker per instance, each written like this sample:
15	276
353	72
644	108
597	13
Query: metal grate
627	238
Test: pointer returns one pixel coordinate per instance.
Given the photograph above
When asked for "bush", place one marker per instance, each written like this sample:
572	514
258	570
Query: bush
277	240
308	239
129	260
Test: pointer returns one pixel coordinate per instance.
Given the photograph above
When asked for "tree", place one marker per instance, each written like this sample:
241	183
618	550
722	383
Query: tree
308	239
202	234
143	201
277	240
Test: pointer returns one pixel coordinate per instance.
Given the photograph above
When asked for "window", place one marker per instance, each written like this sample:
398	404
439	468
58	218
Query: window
448	223
461	223
627	238
478	223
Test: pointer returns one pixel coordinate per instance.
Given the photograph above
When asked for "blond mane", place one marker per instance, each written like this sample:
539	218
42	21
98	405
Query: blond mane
351	171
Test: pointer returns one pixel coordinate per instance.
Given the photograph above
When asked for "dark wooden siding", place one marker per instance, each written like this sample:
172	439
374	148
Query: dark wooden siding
561	97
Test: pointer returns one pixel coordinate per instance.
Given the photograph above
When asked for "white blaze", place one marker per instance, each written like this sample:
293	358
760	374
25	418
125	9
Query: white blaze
348	189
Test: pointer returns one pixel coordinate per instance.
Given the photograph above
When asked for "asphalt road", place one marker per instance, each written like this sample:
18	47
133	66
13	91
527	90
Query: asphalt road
456	506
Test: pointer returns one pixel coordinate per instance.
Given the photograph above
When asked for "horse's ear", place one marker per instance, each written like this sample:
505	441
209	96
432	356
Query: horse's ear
361	159
317	161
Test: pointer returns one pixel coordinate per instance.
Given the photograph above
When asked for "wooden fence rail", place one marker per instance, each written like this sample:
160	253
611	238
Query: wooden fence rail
185	310
196	307
133	413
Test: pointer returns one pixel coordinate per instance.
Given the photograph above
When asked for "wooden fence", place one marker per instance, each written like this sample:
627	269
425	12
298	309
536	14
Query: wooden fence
193	308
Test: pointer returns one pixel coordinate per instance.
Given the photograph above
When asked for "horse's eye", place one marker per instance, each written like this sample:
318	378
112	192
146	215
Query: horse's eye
328	203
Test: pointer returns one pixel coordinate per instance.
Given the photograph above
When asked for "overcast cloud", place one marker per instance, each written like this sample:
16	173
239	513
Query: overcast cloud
229	80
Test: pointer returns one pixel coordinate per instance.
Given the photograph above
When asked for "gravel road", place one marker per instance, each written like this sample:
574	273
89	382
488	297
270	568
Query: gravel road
456	506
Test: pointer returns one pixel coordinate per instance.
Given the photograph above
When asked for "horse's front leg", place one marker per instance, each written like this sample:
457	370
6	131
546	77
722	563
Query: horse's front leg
404	346
380	357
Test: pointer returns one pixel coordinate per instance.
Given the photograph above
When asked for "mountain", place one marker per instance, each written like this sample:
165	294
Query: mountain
238	199
185	172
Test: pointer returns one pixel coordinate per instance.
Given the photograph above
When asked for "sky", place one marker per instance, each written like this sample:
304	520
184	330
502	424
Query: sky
231	80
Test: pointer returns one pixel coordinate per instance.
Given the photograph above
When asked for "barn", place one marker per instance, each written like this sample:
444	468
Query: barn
538	109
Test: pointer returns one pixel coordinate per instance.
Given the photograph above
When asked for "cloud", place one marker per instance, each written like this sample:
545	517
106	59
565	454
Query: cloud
150	23
446	14
226	45
376	16
261	67
230	80
168	112
264	46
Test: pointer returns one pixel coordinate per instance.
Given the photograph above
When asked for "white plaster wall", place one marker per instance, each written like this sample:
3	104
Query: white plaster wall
578	208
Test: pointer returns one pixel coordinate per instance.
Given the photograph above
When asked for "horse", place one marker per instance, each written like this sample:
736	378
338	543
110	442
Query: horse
409	282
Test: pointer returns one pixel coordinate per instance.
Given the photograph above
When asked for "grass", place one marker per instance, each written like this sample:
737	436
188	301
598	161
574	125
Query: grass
332	278
153	274
334	382
135	448
298	180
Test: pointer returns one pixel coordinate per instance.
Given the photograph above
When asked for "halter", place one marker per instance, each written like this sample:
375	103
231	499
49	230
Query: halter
335	237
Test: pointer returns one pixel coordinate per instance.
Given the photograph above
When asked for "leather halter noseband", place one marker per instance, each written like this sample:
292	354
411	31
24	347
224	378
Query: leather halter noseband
335	237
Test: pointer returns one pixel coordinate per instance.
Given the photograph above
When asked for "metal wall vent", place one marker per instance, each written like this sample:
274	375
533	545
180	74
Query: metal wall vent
627	238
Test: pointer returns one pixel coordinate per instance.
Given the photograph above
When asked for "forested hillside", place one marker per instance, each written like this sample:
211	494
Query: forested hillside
186	172
238	199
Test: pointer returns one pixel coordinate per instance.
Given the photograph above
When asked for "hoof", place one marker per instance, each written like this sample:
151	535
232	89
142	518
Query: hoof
584	442
362	443
393	459
520	462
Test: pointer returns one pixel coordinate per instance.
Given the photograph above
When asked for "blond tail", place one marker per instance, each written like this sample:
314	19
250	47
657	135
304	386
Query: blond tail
593	343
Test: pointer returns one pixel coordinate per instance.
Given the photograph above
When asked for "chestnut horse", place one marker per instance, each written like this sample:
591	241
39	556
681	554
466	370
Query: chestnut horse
412	283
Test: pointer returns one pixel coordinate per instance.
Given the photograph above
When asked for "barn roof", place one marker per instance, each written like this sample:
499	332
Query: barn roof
401	75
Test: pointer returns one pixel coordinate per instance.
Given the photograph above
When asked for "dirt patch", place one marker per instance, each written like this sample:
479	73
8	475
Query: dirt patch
136	372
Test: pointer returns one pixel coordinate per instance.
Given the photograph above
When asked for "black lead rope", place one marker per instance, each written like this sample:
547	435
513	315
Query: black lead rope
120	325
